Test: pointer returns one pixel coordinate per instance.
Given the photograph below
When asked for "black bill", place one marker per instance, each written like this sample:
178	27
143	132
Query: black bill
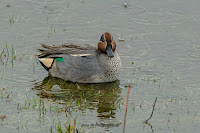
109	51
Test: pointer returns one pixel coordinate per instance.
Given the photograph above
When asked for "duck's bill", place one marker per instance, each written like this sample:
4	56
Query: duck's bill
109	51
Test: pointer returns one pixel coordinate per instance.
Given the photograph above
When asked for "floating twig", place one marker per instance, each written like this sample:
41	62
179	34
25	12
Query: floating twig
126	108
151	112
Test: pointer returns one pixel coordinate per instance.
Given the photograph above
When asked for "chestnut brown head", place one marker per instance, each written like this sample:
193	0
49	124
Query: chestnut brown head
107	45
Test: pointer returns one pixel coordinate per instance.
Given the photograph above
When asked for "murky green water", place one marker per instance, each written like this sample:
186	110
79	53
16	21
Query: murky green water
160	56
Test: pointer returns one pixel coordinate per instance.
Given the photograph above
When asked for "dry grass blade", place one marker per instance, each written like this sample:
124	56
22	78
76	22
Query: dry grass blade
126	108
2	52
151	112
51	130
18	108
74	126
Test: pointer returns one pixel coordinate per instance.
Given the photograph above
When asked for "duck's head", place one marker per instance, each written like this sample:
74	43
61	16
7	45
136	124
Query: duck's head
107	45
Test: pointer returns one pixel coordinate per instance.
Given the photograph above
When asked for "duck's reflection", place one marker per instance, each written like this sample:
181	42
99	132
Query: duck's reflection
103	97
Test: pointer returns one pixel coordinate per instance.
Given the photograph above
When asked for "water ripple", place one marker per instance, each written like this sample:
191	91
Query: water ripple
120	10
194	52
158	17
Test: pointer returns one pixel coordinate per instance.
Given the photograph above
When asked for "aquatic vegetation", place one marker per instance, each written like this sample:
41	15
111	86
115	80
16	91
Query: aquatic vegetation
59	129
13	54
11	19
52	31
7	54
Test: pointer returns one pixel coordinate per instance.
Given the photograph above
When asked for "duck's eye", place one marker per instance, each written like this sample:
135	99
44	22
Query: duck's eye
102	38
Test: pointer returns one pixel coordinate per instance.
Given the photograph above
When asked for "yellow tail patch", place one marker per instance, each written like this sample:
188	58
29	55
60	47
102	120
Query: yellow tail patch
46	61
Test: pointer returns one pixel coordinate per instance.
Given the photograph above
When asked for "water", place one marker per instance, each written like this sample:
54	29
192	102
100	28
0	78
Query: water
160	57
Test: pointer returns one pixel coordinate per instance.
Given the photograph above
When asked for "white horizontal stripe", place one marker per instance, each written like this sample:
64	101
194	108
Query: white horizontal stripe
80	54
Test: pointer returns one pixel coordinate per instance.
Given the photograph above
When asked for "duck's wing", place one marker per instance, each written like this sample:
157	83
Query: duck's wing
52	51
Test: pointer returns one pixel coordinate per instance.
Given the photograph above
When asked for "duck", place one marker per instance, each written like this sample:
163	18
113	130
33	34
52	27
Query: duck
82	63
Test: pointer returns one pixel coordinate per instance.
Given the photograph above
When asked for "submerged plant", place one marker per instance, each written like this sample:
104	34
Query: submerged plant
59	129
